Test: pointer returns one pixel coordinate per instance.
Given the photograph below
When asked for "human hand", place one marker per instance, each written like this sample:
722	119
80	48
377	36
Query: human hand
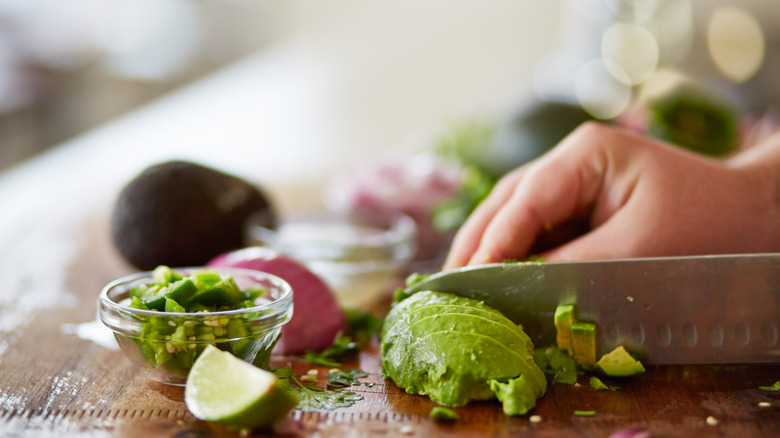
637	197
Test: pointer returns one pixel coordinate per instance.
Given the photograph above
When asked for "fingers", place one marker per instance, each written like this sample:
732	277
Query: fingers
554	191
533	200
468	237
605	242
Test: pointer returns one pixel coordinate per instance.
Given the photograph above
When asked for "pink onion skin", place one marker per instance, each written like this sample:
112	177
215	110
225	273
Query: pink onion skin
317	317
413	187
635	432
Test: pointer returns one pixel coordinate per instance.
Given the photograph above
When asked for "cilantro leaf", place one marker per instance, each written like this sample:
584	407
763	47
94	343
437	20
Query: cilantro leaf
344	378
312	398
557	365
363	325
343	348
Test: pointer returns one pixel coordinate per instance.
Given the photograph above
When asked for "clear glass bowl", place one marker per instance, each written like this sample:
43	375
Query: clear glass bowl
361	257
166	344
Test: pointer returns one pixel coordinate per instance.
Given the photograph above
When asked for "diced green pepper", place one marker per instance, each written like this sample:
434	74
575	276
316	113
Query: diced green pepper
172	306
223	292
181	291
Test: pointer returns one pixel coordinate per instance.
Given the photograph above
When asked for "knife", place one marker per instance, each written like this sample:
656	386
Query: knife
714	309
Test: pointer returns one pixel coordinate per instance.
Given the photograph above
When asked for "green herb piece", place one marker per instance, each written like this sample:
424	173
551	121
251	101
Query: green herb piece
557	365
775	387
312	398
343	347
452	213
598	385
344	378
439	413
585	413
284	373
363	325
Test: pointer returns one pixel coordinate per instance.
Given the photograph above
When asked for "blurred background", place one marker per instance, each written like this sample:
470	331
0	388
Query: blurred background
354	106
467	68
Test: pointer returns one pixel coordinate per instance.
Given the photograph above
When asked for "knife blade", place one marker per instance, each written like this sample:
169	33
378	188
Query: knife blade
715	309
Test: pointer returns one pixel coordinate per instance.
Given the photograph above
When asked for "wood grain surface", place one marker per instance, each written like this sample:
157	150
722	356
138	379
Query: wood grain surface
55	381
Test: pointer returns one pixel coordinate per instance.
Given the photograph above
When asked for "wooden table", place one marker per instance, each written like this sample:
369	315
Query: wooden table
310	97
56	381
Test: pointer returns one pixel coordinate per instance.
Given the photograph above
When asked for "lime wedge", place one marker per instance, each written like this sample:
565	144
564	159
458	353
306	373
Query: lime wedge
224	389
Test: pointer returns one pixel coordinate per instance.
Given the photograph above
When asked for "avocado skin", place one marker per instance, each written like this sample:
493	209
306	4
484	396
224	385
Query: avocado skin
179	213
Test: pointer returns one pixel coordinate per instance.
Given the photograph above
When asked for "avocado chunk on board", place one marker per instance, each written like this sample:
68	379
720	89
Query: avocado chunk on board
579	338
619	363
563	319
583	339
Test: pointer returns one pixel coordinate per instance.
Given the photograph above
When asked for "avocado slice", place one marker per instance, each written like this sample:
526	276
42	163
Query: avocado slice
619	363
455	349
583	337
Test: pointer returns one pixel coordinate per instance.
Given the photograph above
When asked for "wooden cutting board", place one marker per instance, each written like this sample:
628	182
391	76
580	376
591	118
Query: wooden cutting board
55	382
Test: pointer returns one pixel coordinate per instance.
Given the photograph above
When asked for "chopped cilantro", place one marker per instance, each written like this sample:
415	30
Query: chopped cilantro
363	325
312	397
343	348
775	387
557	365
344	378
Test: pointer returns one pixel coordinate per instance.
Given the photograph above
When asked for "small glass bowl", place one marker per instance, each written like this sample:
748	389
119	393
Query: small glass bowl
166	344
361	257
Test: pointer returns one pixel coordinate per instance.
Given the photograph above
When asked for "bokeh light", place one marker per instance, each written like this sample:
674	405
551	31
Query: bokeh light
633	49
599	90
662	83
736	43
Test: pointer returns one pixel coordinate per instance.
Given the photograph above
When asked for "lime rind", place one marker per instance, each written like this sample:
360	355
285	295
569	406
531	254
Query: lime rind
224	389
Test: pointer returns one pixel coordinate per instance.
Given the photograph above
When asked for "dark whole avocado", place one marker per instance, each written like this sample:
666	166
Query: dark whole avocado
179	213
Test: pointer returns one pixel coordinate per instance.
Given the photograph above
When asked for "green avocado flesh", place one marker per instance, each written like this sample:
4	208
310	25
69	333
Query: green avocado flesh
456	350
